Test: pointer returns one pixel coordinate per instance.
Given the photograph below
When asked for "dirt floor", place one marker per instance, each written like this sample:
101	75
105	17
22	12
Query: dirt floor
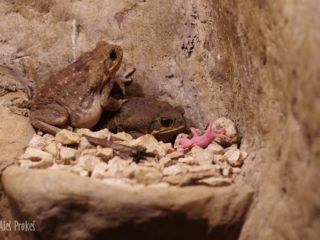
255	62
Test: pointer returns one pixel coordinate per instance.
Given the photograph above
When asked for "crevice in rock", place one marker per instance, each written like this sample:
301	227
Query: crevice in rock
172	228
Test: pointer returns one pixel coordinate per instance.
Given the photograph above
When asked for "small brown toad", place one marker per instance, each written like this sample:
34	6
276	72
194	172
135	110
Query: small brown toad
78	94
141	115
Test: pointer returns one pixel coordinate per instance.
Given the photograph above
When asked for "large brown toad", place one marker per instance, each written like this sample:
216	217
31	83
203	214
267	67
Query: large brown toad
142	115
78	94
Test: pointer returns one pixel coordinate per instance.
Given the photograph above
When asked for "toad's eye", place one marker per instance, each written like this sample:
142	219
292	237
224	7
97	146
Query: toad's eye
166	122
113	55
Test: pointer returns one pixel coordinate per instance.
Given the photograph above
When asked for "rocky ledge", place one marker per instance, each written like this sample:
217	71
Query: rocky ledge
73	189
163	165
67	206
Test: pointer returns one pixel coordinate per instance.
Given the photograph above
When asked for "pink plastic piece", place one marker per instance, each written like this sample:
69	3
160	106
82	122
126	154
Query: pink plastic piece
203	140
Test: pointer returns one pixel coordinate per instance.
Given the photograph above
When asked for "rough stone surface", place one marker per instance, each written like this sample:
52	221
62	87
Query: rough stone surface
255	62
177	169
15	134
15	130
113	207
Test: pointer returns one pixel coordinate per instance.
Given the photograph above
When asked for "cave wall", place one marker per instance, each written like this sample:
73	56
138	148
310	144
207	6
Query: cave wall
177	48
253	61
287	116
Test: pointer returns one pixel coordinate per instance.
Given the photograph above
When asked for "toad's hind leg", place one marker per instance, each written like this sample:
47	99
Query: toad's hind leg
49	118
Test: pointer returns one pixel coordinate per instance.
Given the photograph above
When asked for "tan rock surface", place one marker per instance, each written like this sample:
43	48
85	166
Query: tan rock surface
15	130
104	208
15	134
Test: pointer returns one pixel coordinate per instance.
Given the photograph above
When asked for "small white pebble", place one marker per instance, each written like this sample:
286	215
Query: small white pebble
99	170
174	170
67	154
104	153
176	142
219	158
84	173
40	133
234	158
236	170
52	148
25	163
216	181
226	172
175	155
189	160
215	148
67	137
103	133
243	155
88	162
37	142
35	154
202	168
123	136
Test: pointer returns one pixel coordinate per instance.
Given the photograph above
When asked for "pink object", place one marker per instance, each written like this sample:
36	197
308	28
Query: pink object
203	140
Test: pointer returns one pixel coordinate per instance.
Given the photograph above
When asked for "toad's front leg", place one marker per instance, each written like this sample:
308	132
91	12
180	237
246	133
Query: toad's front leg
109	103
49	118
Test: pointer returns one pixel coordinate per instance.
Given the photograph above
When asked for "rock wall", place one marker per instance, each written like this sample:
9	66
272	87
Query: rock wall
253	61
283	46
183	52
